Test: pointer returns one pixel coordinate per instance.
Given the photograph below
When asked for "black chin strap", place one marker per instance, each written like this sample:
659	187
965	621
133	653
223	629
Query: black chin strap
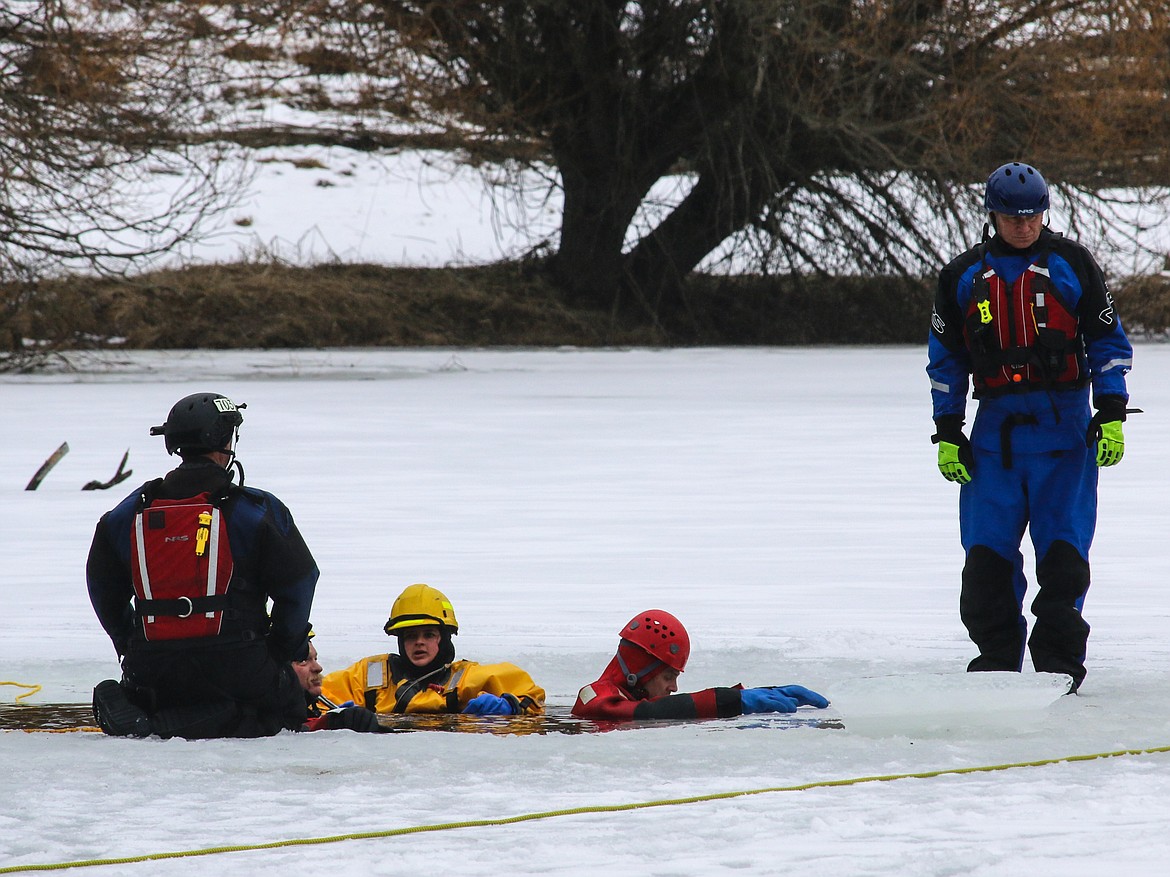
634	680
236	464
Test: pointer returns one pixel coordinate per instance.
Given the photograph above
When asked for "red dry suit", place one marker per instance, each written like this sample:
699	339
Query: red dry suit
611	699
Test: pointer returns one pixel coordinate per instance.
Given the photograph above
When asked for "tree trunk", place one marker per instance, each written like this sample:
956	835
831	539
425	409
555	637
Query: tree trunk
655	269
597	210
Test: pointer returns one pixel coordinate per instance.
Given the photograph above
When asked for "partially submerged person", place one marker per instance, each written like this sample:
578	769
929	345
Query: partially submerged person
425	677
310	674
323	714
641	681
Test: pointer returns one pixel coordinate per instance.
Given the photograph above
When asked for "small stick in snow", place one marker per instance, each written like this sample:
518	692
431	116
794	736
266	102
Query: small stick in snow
118	476
52	461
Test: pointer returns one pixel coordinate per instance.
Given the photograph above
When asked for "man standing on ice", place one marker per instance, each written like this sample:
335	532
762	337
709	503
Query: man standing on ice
1027	317
180	575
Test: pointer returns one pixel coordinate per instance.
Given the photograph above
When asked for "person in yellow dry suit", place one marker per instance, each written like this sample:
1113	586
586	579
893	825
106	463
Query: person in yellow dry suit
425	677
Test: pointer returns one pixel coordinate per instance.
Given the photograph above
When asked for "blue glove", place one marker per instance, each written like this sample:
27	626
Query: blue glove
803	696
766	700
488	705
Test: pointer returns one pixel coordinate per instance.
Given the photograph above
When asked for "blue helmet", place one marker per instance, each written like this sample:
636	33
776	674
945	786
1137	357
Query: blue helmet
1016	189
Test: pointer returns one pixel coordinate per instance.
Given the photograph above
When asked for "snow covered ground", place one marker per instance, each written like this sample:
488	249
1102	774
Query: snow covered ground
312	204
784	503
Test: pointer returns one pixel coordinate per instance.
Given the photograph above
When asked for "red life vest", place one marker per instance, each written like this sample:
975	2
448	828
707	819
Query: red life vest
1022	336
181	566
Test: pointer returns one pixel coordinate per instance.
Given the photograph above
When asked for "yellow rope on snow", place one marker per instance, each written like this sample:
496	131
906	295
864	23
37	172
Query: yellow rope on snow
575	811
32	689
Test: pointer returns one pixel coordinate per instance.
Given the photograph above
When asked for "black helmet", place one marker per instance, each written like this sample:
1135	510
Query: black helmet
200	423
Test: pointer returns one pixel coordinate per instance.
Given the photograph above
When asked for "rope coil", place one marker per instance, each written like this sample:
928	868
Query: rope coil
32	689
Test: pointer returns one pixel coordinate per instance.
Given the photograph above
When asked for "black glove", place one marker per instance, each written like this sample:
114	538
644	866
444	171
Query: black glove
353	718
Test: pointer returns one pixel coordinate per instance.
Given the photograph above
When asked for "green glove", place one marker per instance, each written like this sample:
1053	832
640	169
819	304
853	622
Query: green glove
955	460
950	463
1111	444
1105	429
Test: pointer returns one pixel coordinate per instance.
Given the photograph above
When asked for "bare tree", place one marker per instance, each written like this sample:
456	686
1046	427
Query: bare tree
821	134
97	104
840	136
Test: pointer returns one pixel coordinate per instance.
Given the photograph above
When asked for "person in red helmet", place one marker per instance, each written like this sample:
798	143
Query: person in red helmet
641	681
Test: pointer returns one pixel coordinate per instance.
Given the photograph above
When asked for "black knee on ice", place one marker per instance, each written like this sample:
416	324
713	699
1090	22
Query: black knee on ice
197	721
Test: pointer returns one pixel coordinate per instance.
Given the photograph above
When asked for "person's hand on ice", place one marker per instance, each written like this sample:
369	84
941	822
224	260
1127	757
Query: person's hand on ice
352	718
488	705
803	696
766	700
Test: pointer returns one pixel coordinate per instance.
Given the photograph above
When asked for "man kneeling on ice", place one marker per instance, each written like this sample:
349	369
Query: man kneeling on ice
424	676
204	587
642	680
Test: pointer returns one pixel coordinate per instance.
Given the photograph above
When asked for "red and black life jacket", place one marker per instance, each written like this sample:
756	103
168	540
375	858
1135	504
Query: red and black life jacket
1022	336
181	566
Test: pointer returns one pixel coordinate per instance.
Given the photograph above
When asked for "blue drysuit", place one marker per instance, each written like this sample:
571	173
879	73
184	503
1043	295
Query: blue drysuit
1033	467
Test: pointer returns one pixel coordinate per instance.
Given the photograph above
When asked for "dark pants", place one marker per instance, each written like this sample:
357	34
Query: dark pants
235	690
1054	497
993	615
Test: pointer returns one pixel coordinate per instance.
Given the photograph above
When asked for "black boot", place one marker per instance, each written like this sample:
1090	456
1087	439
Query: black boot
115	714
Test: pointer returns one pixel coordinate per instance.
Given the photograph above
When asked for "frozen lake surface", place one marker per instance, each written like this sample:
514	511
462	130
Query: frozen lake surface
784	503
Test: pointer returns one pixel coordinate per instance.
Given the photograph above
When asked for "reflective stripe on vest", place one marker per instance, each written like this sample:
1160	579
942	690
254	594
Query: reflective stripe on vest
181	568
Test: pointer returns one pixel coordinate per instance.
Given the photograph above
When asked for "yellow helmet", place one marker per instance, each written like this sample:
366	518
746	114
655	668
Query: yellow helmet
419	605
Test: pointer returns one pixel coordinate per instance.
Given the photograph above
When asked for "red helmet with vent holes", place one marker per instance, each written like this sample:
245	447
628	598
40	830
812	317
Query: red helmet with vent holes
662	637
